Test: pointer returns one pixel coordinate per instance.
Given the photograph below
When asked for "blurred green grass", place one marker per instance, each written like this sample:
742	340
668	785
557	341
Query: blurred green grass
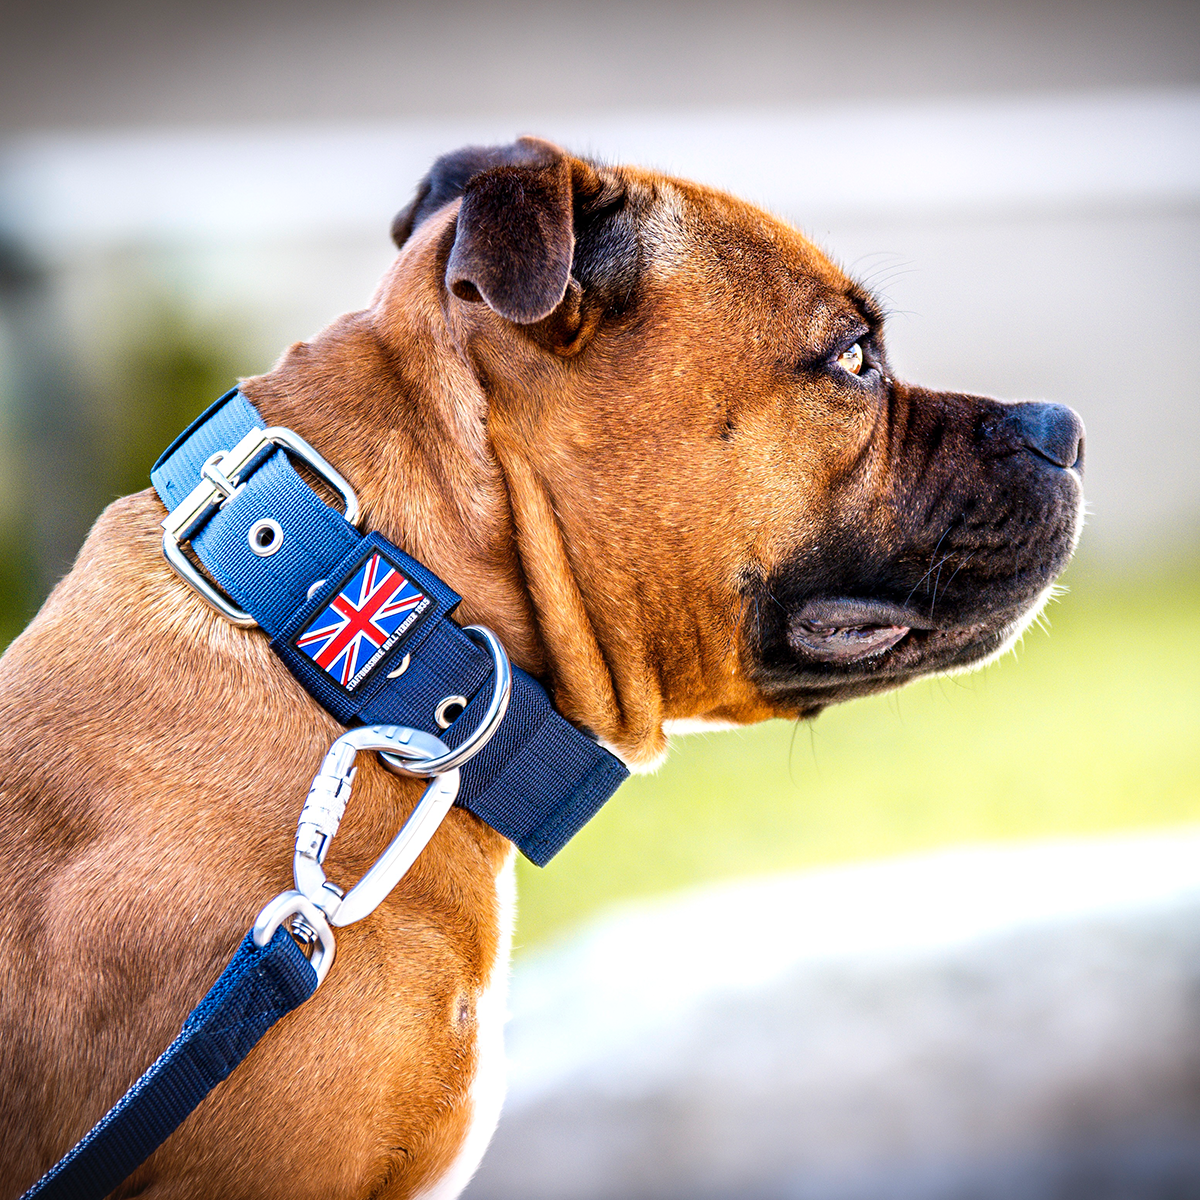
1093	728
163	368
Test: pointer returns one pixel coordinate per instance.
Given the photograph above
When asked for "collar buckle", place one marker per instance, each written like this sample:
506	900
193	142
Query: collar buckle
222	479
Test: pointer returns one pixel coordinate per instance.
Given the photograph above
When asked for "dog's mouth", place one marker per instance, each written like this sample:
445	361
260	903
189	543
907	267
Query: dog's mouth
845	644
847	631
877	637
824	650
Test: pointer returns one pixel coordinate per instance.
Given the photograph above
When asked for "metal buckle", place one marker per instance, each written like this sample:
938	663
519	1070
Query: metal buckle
326	802
222	478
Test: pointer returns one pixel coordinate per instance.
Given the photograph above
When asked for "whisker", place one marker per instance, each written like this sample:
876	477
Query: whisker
933	566
948	581
956	571
937	580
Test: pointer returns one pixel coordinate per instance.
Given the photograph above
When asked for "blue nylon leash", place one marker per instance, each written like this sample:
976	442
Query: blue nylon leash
366	629
257	987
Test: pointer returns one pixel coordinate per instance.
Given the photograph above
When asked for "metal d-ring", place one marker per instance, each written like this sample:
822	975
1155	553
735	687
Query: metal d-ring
490	722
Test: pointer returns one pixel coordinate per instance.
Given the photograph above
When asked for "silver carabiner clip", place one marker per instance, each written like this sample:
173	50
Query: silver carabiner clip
326	802
316	904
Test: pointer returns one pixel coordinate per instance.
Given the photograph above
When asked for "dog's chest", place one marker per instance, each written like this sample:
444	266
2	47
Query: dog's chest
488	1085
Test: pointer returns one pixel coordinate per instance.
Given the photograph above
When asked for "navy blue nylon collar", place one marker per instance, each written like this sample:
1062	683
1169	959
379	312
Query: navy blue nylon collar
539	779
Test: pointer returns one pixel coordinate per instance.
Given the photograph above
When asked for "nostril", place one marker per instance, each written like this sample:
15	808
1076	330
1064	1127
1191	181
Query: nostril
1053	432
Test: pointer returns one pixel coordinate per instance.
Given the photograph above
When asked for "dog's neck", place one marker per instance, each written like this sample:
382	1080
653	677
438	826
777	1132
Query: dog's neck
433	480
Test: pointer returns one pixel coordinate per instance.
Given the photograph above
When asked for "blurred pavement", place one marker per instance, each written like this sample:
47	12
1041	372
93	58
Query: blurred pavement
1008	1023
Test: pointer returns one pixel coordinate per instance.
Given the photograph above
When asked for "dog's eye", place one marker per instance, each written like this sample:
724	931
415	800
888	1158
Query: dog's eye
851	360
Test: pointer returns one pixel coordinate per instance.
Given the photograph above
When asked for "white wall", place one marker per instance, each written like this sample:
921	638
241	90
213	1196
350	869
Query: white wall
1029	247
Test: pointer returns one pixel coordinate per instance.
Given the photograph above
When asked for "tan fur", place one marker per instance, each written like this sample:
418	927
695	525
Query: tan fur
588	510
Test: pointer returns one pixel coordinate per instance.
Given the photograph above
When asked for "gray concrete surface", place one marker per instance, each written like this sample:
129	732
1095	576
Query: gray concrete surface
1008	1024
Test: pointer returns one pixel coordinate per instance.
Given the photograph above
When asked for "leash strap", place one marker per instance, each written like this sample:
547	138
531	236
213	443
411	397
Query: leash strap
257	988
539	779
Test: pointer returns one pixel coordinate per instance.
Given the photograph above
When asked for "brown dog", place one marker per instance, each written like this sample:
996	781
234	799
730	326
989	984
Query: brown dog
650	434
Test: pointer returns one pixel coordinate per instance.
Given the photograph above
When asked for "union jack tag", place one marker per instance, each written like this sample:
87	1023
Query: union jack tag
373	609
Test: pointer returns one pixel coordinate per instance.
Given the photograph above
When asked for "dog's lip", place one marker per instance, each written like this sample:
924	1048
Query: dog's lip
850	630
844	613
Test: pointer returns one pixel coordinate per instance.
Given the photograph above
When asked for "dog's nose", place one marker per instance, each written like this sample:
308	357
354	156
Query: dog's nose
1052	431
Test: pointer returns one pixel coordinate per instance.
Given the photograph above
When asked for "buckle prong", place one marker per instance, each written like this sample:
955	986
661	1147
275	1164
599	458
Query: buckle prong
211	470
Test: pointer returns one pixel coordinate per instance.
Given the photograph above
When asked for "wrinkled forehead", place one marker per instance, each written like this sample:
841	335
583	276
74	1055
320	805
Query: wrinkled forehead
710	244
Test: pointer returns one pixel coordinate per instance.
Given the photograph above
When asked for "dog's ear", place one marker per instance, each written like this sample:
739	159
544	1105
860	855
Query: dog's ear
515	240
515	236
449	176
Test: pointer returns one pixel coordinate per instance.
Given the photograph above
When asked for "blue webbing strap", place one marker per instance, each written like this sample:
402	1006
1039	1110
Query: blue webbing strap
539	779
257	988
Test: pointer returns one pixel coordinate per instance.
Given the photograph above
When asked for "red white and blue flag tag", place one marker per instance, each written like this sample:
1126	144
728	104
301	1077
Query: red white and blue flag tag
371	612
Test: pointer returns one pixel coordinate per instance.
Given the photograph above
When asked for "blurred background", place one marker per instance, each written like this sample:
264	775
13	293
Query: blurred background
939	944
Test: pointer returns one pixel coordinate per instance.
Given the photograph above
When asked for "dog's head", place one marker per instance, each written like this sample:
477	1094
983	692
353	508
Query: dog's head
721	494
